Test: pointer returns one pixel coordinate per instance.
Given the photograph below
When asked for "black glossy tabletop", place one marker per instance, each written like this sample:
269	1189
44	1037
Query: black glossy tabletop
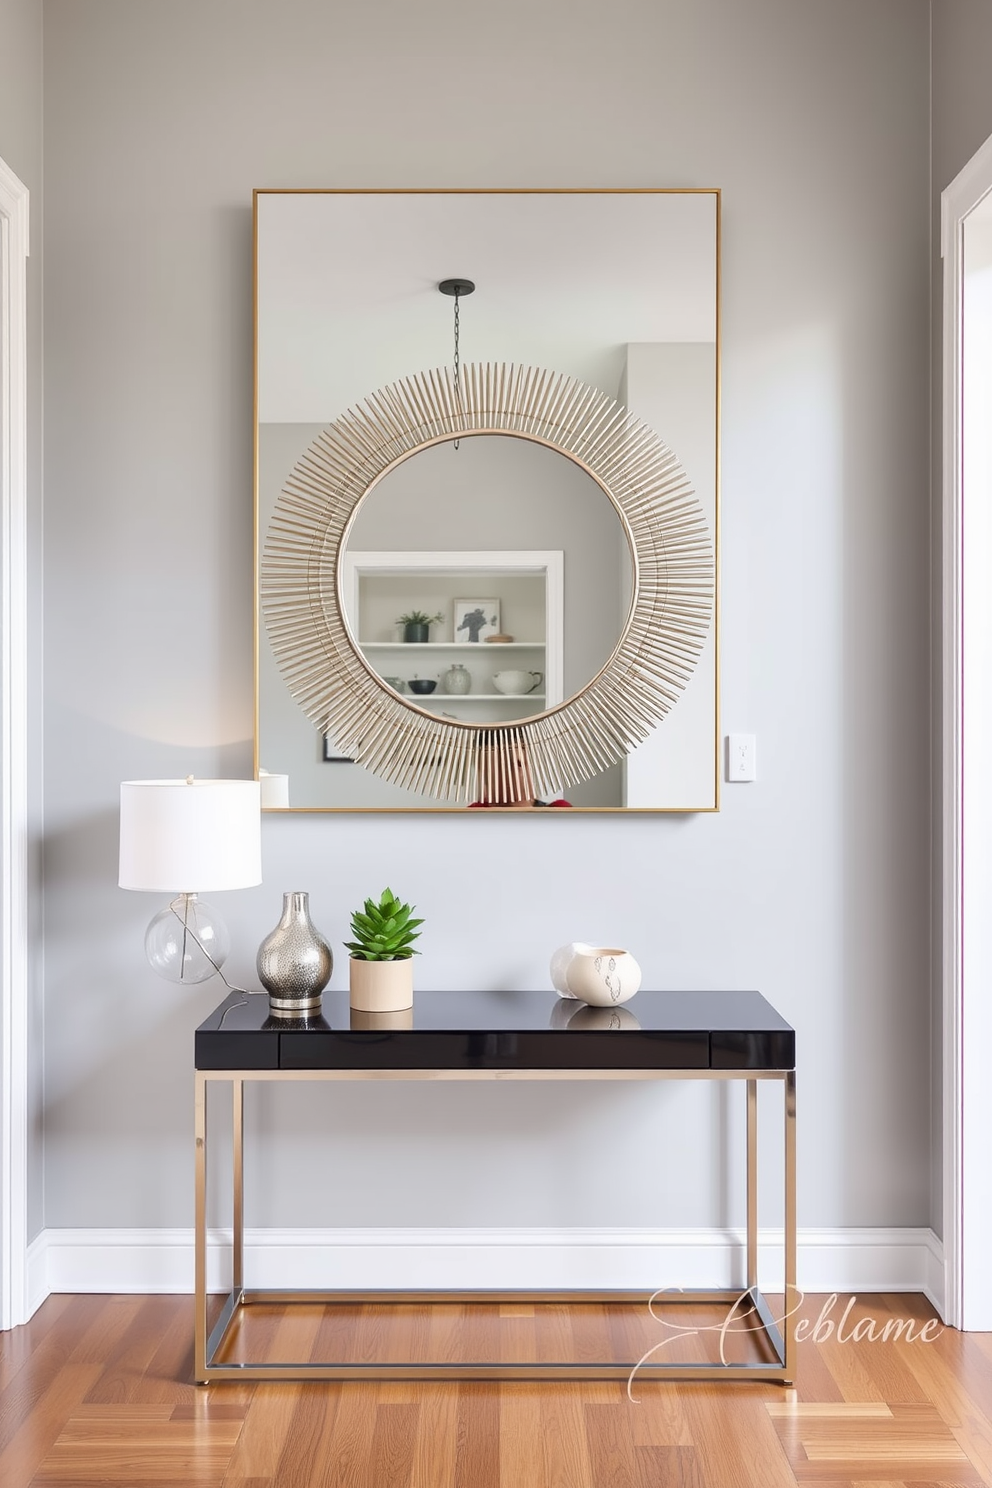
504	1030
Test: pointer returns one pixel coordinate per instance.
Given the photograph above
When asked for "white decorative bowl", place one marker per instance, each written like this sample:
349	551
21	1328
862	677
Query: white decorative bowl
514	682
602	976
559	965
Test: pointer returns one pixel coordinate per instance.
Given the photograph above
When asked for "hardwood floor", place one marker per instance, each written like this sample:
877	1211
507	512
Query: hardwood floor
96	1391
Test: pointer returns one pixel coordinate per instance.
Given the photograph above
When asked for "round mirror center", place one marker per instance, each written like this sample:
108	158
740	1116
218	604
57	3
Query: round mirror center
487	583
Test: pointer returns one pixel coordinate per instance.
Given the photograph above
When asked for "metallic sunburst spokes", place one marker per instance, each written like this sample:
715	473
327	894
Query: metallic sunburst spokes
673	580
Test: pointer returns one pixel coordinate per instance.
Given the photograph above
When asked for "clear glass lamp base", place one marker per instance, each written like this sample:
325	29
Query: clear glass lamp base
187	941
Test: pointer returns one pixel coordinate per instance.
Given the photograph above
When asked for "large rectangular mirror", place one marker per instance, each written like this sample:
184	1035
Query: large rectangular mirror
485	580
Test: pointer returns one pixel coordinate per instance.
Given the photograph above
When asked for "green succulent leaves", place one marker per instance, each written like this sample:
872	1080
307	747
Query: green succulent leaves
383	931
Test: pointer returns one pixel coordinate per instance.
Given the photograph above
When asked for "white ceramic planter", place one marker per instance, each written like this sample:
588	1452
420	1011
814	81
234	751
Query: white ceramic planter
381	986
603	976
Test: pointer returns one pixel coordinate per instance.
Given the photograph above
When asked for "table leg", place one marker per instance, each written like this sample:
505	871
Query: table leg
238	1237
791	1297
752	1183
200	1225
209	1347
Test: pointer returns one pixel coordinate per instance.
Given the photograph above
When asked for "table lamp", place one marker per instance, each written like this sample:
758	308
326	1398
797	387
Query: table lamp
187	837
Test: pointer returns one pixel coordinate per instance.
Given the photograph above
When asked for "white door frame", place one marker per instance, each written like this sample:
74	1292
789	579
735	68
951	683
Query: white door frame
13	751
966	811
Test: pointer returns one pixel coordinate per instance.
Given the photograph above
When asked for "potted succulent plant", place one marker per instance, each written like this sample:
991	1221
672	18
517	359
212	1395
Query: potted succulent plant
381	968
417	625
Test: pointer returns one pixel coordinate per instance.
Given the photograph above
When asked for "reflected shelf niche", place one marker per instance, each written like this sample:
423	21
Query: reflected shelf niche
528	588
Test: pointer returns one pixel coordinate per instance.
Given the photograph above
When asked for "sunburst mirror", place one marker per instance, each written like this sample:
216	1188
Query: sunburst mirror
553	532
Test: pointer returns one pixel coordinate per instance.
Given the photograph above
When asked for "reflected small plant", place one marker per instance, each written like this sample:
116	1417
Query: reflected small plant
420	617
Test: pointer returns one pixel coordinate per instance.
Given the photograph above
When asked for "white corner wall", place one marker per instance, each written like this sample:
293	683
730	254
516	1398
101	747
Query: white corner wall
961	122
811	884
21	148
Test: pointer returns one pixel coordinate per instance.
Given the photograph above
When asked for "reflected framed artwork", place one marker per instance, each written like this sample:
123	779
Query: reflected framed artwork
475	620
332	753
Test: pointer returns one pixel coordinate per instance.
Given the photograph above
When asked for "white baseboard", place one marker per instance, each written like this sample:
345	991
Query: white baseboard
851	1260
935	1287
37	1274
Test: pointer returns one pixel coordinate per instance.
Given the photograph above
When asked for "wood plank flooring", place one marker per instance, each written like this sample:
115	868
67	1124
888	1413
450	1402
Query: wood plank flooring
97	1391
523	1333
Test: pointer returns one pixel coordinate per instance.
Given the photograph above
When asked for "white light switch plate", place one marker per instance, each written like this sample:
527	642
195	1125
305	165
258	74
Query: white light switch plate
741	757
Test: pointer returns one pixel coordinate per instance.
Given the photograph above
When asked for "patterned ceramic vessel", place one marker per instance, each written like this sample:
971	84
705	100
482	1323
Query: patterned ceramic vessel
603	976
457	679
294	963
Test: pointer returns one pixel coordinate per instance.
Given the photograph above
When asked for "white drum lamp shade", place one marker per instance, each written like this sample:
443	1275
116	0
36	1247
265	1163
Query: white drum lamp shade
184	838
190	836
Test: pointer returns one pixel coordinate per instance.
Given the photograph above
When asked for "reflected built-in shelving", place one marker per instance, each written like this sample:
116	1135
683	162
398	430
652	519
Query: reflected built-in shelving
529	585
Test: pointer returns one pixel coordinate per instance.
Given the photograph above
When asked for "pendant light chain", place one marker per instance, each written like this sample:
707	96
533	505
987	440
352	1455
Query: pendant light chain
457	288
457	357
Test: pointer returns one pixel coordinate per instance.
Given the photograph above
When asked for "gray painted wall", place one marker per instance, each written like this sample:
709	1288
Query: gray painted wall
962	100
21	149
812	884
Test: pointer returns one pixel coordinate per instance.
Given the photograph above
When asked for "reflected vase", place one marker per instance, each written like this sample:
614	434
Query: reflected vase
457	680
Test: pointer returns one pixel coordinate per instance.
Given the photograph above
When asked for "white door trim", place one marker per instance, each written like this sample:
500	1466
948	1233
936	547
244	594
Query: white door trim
13	751
967	858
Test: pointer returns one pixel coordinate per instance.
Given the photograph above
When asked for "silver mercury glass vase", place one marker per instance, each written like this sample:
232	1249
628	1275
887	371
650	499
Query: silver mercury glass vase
294	962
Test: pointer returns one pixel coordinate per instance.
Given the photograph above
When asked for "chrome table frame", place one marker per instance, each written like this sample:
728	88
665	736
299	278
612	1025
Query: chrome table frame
209	1344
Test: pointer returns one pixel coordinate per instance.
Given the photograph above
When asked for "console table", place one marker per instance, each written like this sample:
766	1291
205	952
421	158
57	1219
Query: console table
734	1036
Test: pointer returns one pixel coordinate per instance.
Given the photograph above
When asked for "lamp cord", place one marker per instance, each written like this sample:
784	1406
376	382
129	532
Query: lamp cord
190	934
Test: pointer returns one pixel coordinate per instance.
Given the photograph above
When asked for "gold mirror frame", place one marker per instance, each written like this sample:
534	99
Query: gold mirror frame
670	611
